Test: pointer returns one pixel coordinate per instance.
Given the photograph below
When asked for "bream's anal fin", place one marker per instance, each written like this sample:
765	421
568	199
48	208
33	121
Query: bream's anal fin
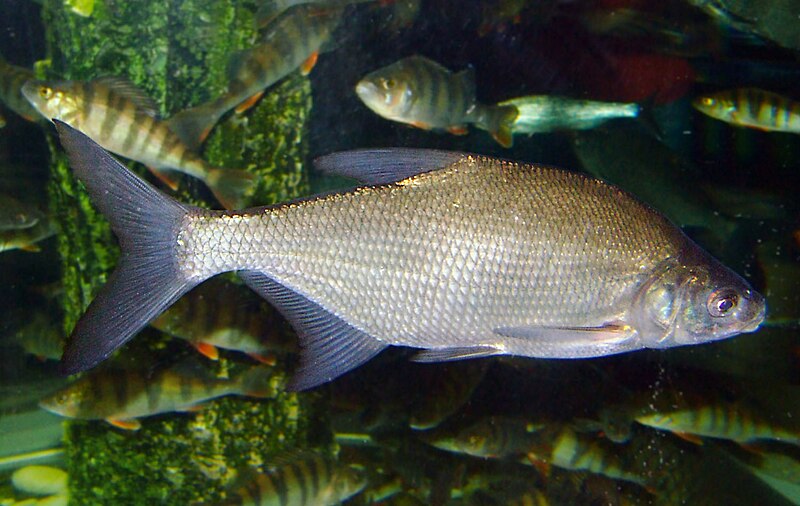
330	346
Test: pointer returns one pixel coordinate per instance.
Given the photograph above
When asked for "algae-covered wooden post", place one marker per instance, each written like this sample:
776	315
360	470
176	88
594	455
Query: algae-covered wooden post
177	51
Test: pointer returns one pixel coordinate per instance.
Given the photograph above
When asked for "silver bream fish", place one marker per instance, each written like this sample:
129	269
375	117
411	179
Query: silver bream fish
460	255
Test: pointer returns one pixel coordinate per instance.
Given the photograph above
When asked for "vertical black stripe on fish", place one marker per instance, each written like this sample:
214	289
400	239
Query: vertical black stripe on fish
601	460
770	104
312	469
256	487
305	26
114	107
254	68
153	390
146	124
187	159
96	394
5	86
748	100
166	147
794	115
293	44
459	103
293	477
428	91
225	318
445	100
441	100
728	417
327	475
208	317
122	389
784	114
279	483
85	95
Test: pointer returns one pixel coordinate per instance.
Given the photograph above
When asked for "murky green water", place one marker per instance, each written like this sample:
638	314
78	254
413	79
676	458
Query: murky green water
689	106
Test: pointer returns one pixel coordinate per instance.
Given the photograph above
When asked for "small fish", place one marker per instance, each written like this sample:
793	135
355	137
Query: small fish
420	92
538	445
294	40
734	421
121	396
40	480
26	239
269	10
125	120
41	335
443	391
12	78
571	450
308	481
463	256
613	423
220	314
752	108
548	113
494	437
16	215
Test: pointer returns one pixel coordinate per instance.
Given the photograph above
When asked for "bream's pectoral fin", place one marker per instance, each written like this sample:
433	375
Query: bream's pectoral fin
384	166
578	341
329	346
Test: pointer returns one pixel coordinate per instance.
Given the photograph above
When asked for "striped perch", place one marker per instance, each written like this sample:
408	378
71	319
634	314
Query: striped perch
293	40
752	108
496	437
221	314
122	396
309	480
575	451
420	92
733	421
123	119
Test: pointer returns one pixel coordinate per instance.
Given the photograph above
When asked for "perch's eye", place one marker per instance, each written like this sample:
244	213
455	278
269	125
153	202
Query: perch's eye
45	92
721	302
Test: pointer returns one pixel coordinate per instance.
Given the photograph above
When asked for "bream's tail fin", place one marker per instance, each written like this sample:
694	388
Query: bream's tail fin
147	279
230	186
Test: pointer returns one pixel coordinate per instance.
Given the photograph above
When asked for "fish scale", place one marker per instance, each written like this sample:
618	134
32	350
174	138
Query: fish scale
461	255
292	243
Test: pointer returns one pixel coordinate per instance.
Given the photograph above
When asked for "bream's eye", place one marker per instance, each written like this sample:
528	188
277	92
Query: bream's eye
721	302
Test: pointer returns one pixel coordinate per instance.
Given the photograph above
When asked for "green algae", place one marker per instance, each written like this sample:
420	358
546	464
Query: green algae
177	52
